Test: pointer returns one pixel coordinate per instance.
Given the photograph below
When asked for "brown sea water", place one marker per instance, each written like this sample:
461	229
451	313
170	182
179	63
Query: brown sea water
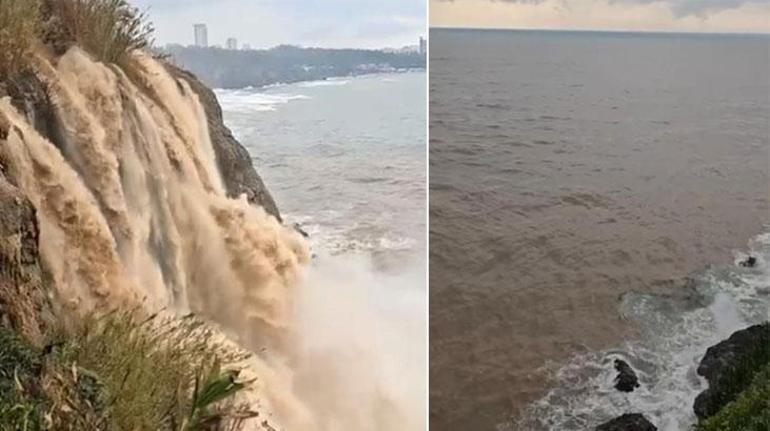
567	169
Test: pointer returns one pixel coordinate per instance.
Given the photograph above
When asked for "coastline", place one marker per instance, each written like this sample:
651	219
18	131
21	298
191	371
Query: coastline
675	331
280	83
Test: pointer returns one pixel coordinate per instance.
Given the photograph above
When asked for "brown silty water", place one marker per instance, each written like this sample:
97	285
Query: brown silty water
567	169
132	211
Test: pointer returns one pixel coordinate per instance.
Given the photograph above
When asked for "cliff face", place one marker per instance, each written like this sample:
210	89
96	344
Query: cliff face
24	286
233	159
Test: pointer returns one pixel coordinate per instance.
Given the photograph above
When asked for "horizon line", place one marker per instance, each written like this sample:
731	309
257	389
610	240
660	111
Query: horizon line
585	30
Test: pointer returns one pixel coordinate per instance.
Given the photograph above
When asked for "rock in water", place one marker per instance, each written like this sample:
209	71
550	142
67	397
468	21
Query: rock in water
628	422
729	367
750	262
298	228
626	381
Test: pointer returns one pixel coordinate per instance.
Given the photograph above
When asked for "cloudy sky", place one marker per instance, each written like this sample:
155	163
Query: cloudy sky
266	23
647	15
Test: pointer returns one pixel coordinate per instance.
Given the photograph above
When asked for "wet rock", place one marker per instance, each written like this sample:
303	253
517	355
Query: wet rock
24	285
30	96
749	262
298	228
729	367
628	422
626	380
234	160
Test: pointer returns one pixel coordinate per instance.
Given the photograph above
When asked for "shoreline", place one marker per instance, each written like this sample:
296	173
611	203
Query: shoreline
702	300
278	84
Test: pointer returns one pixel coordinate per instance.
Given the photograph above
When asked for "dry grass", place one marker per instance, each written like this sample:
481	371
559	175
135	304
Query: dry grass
19	29
120	373
159	373
108	29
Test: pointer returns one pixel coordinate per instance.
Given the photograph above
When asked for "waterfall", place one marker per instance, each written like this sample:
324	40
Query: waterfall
133	212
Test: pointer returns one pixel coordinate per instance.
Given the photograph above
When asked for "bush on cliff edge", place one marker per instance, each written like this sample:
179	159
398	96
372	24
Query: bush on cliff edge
117	372
19	28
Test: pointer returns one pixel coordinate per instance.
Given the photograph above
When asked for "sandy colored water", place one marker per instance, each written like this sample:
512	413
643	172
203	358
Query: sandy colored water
567	169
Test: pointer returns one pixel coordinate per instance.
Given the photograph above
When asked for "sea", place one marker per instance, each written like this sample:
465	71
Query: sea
345	160
591	194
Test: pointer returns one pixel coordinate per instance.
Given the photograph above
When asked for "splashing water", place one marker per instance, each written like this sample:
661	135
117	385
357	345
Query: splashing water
676	334
132	211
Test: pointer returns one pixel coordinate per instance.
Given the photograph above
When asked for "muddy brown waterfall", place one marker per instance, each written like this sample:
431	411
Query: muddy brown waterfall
133	209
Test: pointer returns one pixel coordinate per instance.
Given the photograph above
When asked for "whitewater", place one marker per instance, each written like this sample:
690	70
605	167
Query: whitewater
133	212
675	332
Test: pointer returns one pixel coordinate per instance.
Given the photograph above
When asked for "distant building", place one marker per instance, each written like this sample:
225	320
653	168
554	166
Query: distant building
423	46
232	43
246	47
201	35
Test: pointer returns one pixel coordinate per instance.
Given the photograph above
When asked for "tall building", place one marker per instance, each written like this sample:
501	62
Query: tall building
423	46
232	43
201	35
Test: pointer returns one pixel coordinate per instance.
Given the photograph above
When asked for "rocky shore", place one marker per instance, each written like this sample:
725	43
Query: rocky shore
738	374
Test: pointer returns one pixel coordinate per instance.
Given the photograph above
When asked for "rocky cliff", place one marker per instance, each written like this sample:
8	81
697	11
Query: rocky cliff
234	161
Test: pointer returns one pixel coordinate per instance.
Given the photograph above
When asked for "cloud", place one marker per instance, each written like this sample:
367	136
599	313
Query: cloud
701	8
680	8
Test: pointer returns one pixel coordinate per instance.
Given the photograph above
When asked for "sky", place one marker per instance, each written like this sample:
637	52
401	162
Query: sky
267	23
741	16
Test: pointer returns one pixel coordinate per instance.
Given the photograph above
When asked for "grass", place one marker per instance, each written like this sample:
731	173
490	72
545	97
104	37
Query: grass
117	372
744	391
108	29
750	411
19	29
159	373
19	362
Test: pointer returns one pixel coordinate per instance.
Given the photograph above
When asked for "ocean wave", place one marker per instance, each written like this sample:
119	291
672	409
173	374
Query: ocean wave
677	331
249	100
331	82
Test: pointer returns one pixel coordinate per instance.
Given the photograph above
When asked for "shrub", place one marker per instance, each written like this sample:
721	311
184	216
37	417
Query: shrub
159	373
749	412
108	29
19	27
19	367
120	373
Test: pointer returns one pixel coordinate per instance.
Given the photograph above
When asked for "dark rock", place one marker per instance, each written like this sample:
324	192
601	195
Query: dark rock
626	380
24	285
234	160
729	367
749	262
628	422
301	231
30	96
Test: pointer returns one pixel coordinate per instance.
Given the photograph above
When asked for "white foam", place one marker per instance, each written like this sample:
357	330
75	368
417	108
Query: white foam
331	82
665	360
250	101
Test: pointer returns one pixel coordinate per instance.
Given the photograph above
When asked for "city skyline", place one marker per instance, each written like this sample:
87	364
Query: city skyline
268	23
200	40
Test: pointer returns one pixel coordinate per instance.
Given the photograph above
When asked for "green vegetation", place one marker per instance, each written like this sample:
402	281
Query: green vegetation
19	362
749	412
744	391
225	68
120	373
19	28
107	29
